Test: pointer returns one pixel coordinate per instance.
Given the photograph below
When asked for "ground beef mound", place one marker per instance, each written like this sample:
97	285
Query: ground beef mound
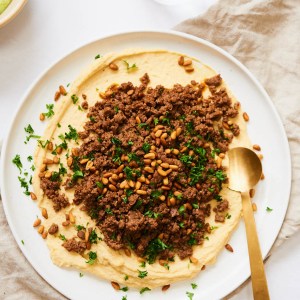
151	170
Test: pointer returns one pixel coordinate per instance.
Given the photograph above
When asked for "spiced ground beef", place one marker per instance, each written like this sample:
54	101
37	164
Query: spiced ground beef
152	165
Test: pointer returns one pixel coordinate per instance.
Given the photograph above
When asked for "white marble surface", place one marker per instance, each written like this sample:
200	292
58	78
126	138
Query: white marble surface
46	30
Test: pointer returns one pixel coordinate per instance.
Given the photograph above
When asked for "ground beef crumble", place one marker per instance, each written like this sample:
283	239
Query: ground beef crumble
152	166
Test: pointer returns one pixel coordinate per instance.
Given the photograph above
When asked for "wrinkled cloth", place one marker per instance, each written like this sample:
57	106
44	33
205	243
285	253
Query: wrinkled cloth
264	35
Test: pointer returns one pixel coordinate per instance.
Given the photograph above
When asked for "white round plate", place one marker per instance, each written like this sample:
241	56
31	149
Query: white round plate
265	129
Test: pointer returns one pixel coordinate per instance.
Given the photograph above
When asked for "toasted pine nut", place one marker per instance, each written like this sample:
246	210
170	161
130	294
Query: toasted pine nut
165	188
175	151
106	175
162	262
41	229
161	236
178	131
50	146
189	69
168	151
194	260
260	156
86	235
65	223
222	155
149	169
37	222
112	188
123	184
161	172
254	207
252	193
162	198
256	147
158	133
173	167
84	161
173	135
165	287
113	66
55	159
165	165
48	174
75	152
43	168
187	62
177	193
150	156
120	168
181	60
138	184
72	217
229	248
131	183
70	161
172	201
44	235
127	252
42	117
33	196
44	213
115	285
177	185
166	181
245	116
188	206
189	231
47	161
138	120
59	150
141	192
89	165
147	161
62	90
219	162
104	181
142	179
56	95
147	181
203	268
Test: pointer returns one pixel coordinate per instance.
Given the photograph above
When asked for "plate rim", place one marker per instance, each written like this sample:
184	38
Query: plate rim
173	33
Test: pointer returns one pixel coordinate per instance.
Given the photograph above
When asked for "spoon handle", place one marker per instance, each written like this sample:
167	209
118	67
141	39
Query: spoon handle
259	281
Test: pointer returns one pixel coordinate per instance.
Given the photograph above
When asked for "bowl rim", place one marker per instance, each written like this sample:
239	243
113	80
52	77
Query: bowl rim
10	16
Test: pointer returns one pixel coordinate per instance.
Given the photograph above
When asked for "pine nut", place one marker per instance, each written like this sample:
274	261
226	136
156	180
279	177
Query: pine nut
44	213
168	151
158	133
252	193
47	161
127	252
256	147
162	198
149	169
115	285
177	185
189	69
62	90
178	131
183	149
56	95
48	174
75	151
173	167
131	183
112	188
254	207
165	287
43	168
70	161
161	236
189	231
165	188
172	201
87	235
173	135
187	62
44	235
153	164
141	192
165	165
147	181
41	229
203	268
138	120
177	194
84	161
245	116
181	60
229	248
150	156
188	206
123	184
260	156
222	155
33	196
104	181
55	159
194	260
42	117
175	151
142	179
72	217
120	168
161	172
106	175
138	184
59	150
113	66
65	223
37	222
219	162
166	181
50	146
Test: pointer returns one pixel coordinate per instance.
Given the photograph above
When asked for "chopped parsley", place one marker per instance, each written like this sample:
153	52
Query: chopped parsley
58	125
155	121
43	144
130	143
152	214
133	156
154	248
143	264
77	174
128	172
29	158
62	237
124	289
81	275
74	99
115	141
97	56
186	159
228	216
24	185
190	295
22	242
155	194
181	209
268	209
72	134
131	68
50	111
109	211
167	266
146	147
30	131
126	277
99	184
92	258
124	298
17	162
94	238
145	289
79	227
144	125
194	286
181	225
116	108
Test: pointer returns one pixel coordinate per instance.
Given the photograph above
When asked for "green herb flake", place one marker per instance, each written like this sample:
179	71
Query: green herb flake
124	298
24	185
146	147
142	274
62	237
92	258
145	289
94	238
72	134
74	98
130	143
116	108
81	275
181	209
22	242
194	286
58	125
50	111
77	174
228	216
17	161
190	295
97	56
43	144
181	225
99	184
79	227
155	121
268	209
126	277
154	248
124	289
29	158
143	264
144	125
129	68
166	266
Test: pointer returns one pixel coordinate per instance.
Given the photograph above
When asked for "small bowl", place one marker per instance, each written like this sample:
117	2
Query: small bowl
11	11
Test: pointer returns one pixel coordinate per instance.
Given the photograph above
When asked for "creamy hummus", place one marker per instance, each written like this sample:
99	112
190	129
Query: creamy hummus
162	68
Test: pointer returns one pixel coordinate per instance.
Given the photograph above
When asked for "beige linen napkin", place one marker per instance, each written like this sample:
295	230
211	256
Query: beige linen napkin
264	35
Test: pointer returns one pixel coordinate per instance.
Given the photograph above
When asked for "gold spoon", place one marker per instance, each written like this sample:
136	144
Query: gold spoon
244	172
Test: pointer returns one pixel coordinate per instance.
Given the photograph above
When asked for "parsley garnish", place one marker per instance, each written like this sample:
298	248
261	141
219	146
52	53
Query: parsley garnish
74	99
133	156
153	249
186	159
126	277
145	289
17	162
72	134
77	174
22	242
30	131
130	143
190	295
124	298
97	56
181	225
62	237
116	108
146	147
93	238
166	266
81	274
143	264
124	289
194	285
181	209
30	158
268	209
43	144
115	141
79	227
131	68
99	184
155	194
50	111
155	121
92	258
144	125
